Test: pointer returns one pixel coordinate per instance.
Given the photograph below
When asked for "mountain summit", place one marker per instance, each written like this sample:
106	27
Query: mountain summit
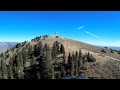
56	57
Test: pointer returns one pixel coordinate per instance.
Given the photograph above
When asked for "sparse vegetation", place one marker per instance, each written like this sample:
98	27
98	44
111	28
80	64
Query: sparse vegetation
90	58
39	59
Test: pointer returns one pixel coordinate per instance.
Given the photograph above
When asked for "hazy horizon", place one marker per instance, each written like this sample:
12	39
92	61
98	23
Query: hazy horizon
93	27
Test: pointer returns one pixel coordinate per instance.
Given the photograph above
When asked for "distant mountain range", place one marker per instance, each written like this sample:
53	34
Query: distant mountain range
112	47
6	45
115	48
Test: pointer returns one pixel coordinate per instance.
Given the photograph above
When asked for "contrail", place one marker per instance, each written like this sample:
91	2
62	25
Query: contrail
93	35
81	27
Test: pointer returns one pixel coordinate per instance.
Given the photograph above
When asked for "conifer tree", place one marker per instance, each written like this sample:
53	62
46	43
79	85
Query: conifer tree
72	65
63	72
57	47
80	61
32	60
45	64
62	49
10	72
54	50
76	63
40	48
4	69
53	72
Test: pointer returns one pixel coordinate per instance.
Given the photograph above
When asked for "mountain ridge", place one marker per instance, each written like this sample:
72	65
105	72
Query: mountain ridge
106	62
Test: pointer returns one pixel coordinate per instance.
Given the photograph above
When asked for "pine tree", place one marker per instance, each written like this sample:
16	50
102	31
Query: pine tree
62	49
53	72
32	60
29	51
80	61
72	65
57	47
64	58
69	60
54	51
76	63
45	64
10	72
63	72
40	48
24	57
35	50
4	69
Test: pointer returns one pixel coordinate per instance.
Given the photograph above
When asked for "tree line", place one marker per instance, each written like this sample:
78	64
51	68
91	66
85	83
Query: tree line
44	62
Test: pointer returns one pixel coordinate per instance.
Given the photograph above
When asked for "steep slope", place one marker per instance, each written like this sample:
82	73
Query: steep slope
107	63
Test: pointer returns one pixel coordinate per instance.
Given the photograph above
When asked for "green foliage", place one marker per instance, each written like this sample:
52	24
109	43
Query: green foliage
1	55
63	72
10	72
76	63
18	45
72	65
62	49
55	49
45	64
90	58
32	60
4	69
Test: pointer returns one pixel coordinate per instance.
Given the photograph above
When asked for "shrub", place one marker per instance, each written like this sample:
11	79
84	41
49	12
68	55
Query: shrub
118	52
111	51
103	51
90	58
57	36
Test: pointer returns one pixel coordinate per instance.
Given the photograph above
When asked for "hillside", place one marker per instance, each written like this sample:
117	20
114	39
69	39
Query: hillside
106	66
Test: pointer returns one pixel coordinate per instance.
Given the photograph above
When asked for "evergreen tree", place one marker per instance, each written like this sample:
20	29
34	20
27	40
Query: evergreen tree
80	61
72	65
32	60
63	72
64	58
24	57
36	50
29	51
10	72
57	47
69	60
4	69
53	72
45	64
62	49
76	63
54	51
40	48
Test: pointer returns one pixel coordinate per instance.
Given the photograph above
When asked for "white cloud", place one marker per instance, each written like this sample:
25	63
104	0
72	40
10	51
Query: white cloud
81	27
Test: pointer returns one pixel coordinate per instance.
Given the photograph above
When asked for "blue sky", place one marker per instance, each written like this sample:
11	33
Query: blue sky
94	27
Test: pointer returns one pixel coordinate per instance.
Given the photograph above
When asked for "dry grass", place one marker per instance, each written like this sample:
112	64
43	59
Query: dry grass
107	64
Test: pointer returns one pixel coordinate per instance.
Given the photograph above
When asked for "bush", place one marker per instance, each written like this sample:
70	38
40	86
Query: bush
90	58
111	51
103	51
105	47
57	36
118	52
